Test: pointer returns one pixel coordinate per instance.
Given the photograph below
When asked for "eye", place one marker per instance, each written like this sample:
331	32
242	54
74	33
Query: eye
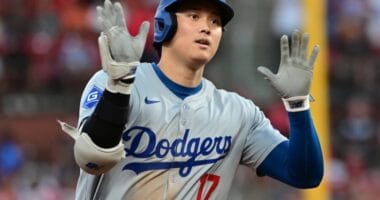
217	21
193	16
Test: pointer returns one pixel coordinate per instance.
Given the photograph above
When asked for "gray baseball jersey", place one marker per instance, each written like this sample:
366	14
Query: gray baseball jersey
178	149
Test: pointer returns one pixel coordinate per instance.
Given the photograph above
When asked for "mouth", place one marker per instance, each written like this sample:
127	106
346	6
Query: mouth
203	42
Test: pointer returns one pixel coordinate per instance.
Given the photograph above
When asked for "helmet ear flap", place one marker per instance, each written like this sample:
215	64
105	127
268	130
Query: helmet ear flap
171	32
167	32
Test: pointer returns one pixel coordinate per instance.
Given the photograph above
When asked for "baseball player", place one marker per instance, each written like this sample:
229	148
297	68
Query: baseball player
163	131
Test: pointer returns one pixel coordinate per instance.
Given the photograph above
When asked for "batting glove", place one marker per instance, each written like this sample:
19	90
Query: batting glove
293	80
119	51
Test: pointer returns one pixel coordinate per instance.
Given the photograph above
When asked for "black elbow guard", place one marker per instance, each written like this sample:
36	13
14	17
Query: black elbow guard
106	124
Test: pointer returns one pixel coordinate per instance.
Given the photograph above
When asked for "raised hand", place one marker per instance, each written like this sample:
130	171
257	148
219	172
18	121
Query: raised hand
296	69
123	46
120	52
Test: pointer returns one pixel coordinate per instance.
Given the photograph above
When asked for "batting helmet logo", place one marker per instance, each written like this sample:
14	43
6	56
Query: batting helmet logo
165	23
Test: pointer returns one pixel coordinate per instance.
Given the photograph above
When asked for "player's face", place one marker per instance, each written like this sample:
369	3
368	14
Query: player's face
198	34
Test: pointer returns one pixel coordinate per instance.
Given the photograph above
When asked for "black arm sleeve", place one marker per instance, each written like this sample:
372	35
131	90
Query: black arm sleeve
106	124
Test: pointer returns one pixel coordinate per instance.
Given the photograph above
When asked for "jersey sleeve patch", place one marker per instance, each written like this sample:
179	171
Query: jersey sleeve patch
92	97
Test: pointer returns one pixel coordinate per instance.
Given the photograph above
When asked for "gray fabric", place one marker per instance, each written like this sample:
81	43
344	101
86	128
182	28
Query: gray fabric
202	139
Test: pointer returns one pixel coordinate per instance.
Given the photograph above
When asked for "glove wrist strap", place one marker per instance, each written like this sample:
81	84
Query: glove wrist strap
118	86
297	103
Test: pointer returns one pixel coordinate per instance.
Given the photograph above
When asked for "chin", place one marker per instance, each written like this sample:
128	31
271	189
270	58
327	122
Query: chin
202	58
200	61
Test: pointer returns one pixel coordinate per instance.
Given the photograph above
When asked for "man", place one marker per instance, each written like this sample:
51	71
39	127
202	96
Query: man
162	131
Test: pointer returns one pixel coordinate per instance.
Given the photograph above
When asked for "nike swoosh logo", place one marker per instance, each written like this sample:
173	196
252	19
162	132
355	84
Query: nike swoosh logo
148	101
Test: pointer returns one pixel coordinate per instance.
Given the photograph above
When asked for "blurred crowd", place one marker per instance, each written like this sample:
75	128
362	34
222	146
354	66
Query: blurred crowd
27	173
48	48
50	45
48	51
354	39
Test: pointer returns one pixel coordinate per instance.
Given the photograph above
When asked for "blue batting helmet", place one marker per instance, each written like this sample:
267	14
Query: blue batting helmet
165	23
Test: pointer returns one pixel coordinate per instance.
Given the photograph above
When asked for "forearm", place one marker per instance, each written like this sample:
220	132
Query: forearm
105	126
305	154
298	161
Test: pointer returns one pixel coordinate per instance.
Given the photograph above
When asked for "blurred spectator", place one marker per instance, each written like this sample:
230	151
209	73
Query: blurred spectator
11	159
11	156
357	129
287	16
337	178
373	28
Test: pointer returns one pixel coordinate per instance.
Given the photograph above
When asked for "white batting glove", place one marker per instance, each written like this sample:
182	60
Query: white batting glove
119	51
294	76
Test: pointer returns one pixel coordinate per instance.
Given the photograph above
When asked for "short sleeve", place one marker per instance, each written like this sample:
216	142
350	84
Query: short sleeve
91	95
261	138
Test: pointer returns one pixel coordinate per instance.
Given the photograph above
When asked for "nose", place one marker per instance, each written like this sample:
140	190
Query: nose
205	26
205	30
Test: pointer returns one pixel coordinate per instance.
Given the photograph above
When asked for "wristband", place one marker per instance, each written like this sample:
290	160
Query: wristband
297	103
